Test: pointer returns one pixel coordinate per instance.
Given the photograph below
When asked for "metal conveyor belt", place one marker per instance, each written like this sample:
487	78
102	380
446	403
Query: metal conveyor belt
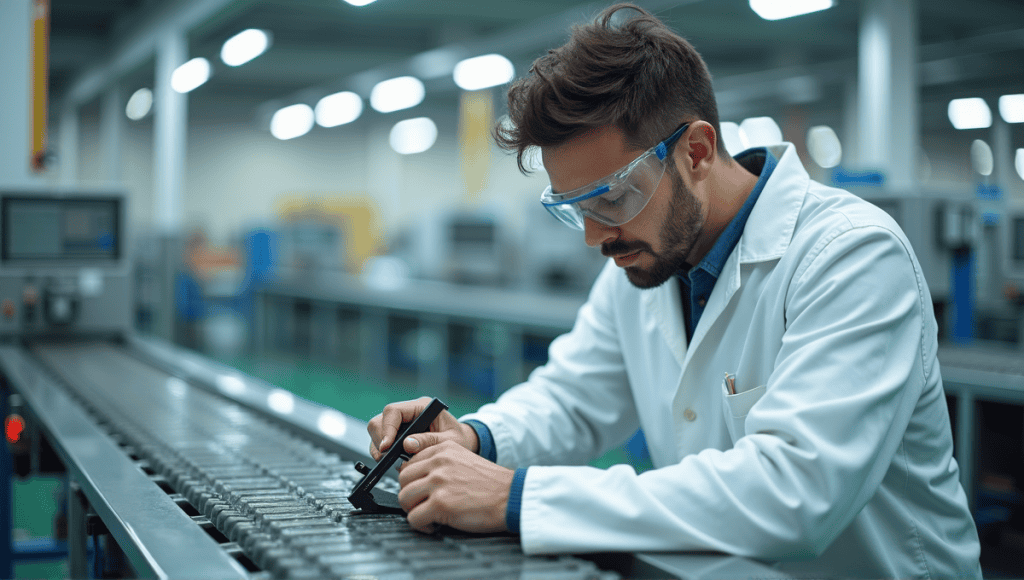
280	498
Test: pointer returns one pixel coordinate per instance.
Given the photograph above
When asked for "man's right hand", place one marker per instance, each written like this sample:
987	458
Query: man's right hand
383	429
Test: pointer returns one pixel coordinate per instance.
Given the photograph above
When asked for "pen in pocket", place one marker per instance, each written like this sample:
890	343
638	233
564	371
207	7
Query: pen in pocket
730	383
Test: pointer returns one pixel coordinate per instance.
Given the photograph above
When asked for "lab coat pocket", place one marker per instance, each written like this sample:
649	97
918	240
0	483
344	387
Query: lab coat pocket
736	408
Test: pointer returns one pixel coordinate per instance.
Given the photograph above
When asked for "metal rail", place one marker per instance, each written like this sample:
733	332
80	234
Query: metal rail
266	493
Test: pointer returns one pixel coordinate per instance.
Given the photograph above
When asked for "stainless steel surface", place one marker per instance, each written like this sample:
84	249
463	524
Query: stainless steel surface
529	309
151	529
336	431
271	494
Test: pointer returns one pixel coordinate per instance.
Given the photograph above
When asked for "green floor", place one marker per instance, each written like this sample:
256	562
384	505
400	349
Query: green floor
348	392
35	500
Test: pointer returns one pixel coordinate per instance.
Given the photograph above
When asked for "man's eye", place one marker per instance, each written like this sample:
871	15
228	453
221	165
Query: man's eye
613	202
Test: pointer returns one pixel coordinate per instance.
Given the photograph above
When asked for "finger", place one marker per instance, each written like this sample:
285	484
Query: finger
411	472
394	415
373	428
421	518
421	441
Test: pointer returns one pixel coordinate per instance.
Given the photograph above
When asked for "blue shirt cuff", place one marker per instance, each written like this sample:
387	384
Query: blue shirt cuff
483	433
515	500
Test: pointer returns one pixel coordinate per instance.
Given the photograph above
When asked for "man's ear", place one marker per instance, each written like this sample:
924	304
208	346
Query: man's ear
700	146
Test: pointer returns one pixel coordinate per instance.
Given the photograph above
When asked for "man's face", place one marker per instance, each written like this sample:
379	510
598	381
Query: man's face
652	246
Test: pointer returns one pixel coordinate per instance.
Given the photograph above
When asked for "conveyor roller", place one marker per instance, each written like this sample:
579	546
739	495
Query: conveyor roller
281	499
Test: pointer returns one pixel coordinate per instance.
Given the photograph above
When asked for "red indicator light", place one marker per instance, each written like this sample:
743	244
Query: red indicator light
14	425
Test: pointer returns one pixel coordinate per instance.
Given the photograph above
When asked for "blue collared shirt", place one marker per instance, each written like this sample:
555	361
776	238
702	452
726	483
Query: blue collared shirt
697	284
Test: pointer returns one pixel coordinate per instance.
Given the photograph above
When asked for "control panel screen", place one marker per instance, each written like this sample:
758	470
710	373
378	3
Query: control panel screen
37	228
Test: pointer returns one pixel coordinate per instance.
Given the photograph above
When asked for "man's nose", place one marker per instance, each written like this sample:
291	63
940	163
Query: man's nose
596	233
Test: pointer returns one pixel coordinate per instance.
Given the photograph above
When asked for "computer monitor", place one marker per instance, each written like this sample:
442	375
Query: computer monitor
59	230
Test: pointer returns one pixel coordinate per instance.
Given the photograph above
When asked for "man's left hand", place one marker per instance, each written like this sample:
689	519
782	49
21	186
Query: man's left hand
450	485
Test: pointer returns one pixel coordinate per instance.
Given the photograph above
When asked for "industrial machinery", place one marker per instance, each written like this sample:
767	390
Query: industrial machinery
181	467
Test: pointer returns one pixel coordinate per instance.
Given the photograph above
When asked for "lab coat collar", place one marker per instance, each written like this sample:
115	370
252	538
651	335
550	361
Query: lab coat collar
766	237
770	226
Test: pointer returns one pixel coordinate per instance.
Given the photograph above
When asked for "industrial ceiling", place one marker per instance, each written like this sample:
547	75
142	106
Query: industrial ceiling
966	47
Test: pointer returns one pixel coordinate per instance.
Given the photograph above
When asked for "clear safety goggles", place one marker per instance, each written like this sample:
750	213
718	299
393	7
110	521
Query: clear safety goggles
618	198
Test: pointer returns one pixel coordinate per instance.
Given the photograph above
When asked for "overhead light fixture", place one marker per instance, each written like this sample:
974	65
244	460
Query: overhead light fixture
732	135
1018	163
191	75
397	94
481	72
981	157
244	46
139	104
291	122
761	131
413	135
824	146
360	2
970	113
779	9
338	109
1011	108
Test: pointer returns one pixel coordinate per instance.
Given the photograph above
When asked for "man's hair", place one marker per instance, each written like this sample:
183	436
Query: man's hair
634	73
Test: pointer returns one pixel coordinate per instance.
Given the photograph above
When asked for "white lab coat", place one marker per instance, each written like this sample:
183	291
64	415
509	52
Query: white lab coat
834	458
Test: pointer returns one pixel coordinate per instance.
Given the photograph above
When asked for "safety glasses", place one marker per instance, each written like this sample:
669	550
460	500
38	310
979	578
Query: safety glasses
618	198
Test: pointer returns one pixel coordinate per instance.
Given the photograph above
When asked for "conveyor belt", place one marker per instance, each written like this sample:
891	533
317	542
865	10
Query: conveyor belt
280	498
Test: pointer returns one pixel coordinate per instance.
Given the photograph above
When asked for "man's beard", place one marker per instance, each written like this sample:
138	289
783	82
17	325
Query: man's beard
679	233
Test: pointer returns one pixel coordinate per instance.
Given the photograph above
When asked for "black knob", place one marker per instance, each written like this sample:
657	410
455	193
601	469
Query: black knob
362	468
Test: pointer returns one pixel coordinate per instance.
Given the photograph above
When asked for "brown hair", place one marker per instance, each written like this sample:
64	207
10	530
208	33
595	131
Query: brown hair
638	75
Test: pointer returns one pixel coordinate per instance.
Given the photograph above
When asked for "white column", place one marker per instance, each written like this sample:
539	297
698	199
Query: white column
67	150
170	132
15	104
111	129
851	125
1003	153
888	97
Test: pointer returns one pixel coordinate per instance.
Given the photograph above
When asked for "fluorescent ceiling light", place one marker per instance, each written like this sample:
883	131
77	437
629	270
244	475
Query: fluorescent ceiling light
481	72
397	94
824	146
291	122
338	109
779	9
139	105
761	131
1011	108
981	157
413	135
734	138
244	46
190	75
360	2
970	113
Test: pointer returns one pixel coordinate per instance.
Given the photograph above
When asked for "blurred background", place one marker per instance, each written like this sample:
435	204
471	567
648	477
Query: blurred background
311	194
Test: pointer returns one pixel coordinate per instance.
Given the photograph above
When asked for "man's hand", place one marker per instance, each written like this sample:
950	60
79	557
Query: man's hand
383	429
448	484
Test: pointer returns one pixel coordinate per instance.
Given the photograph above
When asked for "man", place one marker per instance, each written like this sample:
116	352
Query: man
826	446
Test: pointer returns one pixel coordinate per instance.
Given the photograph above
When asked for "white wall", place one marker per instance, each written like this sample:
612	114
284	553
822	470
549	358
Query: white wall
236	171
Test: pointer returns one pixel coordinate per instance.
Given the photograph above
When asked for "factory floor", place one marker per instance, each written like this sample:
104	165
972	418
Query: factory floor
36	500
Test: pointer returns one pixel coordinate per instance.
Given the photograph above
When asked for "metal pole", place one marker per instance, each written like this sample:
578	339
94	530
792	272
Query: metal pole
78	561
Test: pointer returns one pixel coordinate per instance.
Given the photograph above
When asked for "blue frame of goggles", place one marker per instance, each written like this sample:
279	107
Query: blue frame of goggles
618	198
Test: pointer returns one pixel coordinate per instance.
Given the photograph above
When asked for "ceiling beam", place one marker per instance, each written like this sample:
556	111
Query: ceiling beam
139	44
